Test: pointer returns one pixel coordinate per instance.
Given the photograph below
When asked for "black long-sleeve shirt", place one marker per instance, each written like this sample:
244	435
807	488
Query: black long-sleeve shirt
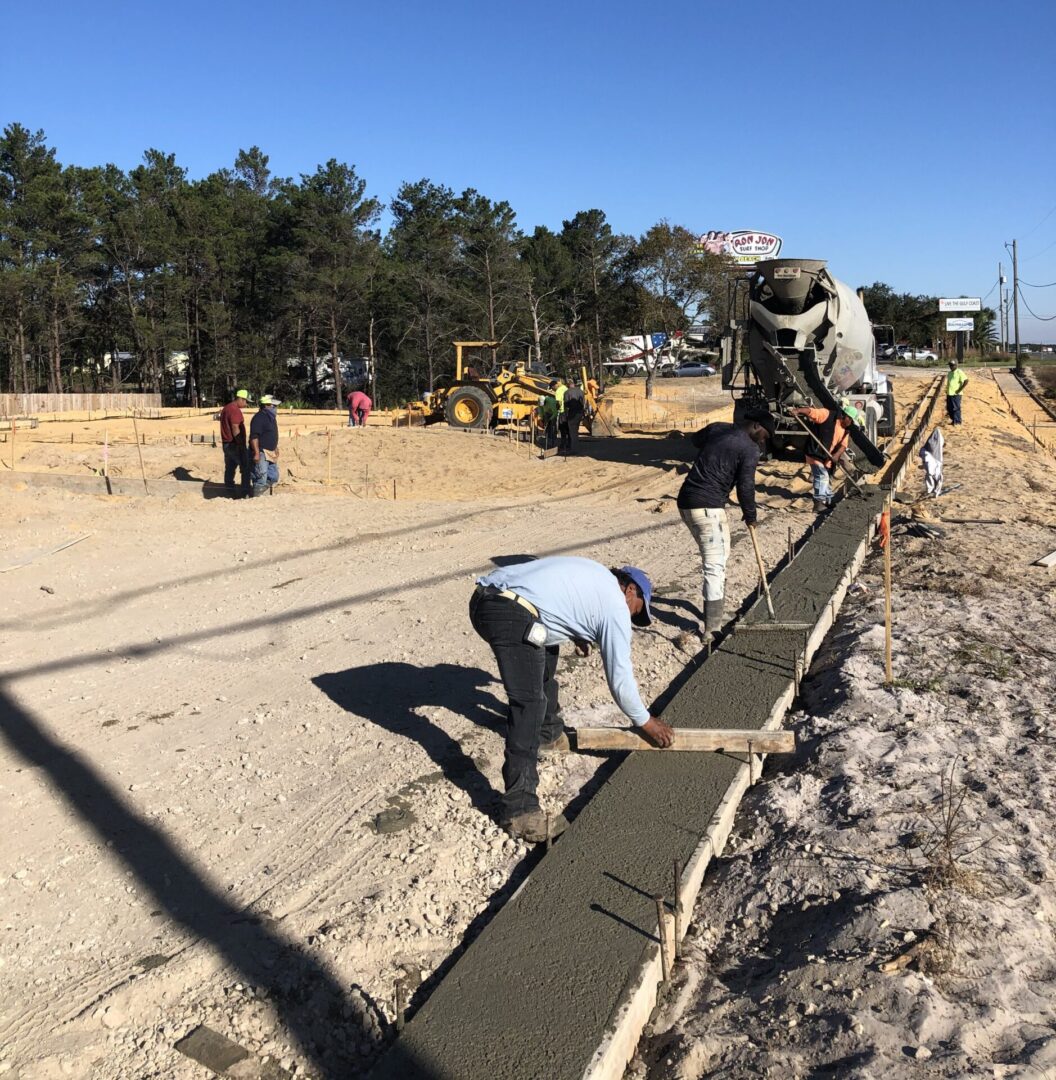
727	458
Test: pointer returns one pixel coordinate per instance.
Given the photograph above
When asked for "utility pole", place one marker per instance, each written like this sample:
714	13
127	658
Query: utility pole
1000	307
1015	304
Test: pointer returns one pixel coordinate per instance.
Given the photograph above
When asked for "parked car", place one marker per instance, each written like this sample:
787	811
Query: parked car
918	354
689	369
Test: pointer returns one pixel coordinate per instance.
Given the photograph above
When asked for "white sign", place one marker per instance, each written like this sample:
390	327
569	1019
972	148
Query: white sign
960	324
962	303
744	246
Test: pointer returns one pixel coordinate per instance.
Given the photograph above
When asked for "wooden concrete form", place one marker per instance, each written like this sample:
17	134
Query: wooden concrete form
17	404
621	1041
740	741
505	979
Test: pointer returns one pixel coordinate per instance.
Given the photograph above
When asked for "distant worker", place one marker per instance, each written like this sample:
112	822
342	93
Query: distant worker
525	612
549	412
829	427
236	452
956	381
359	406
560	391
264	445
575	406
729	454
931	459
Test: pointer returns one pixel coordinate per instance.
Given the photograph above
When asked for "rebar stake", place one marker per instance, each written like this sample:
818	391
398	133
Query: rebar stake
678	909
661	920
401	1003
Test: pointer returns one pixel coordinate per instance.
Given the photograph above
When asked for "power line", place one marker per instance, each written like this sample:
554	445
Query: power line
1049	286
1042	222
1042	252
1040	318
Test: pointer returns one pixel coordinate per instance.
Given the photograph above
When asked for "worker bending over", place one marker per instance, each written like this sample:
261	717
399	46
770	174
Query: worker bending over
359	406
525	613
729	454
956	381
829	428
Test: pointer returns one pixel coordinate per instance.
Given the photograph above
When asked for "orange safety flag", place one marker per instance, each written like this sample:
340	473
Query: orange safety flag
885	529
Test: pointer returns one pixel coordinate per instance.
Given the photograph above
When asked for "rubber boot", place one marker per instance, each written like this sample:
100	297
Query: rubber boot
713	615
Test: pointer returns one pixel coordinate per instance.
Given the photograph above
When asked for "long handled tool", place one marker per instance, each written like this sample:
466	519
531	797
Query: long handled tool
839	461
762	572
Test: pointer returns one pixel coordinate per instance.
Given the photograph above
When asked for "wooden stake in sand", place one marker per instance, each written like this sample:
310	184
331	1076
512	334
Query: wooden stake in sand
106	452
14	428
139	450
885	533
329	458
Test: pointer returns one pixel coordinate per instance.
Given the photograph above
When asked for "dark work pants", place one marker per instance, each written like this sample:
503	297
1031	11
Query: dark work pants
571	432
236	457
953	408
550	434
527	673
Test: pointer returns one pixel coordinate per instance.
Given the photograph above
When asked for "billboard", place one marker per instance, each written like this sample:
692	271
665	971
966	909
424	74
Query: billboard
962	303
743	246
960	325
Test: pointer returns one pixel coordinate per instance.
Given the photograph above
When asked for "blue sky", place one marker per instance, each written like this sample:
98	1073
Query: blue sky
904	142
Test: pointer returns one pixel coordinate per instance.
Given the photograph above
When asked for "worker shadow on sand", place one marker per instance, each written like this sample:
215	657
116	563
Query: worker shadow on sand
391	694
211	489
690	621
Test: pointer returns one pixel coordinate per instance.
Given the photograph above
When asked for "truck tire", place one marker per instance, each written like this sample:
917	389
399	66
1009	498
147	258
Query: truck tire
468	407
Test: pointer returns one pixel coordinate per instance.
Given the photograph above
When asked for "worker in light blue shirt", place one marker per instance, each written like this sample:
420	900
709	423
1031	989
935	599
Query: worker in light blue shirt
525	613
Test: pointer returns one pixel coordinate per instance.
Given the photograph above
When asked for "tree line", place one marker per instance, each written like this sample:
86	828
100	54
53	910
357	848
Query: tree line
106	275
259	280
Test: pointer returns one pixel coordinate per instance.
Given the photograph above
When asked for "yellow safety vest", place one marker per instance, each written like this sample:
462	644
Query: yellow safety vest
955	381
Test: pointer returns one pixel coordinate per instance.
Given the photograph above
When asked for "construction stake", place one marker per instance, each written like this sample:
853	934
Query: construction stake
139	450
888	671
329	458
401	1003
678	909
661	929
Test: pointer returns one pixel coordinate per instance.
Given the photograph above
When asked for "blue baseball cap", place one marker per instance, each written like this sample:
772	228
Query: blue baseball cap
641	579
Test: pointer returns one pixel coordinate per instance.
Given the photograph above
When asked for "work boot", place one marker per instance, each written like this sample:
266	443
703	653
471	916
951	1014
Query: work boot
713	616
556	746
820	506
531	826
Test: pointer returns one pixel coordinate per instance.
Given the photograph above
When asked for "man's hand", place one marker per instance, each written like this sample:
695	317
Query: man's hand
582	647
658	732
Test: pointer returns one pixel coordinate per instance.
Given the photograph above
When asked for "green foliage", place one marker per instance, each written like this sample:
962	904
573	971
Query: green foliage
112	279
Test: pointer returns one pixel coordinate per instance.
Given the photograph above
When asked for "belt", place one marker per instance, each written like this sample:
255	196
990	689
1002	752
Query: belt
508	594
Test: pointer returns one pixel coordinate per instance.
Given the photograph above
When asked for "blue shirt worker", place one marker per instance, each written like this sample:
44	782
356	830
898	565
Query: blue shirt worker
956	381
264	445
525	613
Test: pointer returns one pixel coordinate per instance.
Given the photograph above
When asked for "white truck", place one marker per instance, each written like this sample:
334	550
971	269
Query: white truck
809	342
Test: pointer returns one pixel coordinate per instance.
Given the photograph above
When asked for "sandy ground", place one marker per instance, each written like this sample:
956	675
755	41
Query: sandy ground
251	749
886	905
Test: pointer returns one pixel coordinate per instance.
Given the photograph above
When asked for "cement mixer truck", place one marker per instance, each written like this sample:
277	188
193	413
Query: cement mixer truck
809	342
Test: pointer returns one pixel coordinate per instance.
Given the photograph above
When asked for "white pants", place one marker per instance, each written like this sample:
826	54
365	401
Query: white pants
711	530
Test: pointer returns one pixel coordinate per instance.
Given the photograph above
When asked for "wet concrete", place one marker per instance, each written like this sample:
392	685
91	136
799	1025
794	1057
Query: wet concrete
534	994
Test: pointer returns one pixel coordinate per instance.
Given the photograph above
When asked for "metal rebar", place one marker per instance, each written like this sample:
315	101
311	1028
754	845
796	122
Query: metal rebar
678	909
401	1003
661	921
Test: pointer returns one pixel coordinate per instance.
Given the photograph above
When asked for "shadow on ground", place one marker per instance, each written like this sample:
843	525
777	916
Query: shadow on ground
389	695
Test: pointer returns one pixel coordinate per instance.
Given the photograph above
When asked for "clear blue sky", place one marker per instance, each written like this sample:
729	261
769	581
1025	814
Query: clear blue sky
903	141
